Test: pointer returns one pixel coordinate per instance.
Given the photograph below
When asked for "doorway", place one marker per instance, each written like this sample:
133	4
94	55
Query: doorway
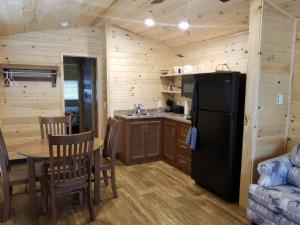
80	93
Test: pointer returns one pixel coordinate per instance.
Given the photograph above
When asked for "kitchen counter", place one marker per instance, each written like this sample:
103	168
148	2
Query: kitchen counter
124	114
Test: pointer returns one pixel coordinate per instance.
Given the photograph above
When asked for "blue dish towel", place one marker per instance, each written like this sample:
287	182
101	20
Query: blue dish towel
191	138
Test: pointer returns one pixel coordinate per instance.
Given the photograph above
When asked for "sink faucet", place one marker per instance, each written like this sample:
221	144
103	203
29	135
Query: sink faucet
137	109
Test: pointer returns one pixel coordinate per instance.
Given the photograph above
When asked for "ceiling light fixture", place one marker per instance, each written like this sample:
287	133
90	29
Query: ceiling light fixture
184	25
149	22
64	24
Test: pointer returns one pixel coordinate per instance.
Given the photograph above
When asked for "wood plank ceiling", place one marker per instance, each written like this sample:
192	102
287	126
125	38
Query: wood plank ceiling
291	6
208	18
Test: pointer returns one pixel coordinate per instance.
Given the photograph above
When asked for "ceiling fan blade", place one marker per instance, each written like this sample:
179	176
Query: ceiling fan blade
157	1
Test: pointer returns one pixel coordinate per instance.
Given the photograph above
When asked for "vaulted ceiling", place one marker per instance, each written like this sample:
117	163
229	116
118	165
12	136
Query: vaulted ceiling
208	18
291	6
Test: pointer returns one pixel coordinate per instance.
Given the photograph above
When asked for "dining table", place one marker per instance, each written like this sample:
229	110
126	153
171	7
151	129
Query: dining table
37	151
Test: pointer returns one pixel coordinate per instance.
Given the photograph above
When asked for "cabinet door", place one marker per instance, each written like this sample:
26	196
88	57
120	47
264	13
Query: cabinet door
169	142
153	140
184	153
137	142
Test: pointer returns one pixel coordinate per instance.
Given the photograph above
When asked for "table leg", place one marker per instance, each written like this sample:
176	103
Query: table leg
97	177
32	187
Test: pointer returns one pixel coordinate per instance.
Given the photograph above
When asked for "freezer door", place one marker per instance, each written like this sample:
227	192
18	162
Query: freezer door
211	162
218	92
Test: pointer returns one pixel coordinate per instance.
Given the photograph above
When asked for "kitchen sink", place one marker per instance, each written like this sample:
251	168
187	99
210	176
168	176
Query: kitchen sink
141	114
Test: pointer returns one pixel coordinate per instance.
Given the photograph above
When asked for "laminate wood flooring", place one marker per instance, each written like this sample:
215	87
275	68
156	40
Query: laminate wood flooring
149	194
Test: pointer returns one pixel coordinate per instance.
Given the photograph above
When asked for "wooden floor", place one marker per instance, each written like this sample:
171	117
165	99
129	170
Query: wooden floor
153	193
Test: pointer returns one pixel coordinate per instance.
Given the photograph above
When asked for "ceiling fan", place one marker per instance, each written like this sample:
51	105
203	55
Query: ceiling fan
157	1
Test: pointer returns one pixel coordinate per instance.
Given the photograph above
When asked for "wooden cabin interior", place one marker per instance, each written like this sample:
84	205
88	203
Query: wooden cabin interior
118	68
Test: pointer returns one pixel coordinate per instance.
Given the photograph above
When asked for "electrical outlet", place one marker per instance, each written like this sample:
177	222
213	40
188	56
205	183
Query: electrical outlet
279	99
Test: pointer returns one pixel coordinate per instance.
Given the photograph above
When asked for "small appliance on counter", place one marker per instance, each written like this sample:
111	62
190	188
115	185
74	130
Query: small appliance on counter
186	107
170	104
178	109
187	85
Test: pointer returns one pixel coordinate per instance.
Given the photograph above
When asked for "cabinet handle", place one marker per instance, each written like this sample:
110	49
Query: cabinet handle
146	128
182	146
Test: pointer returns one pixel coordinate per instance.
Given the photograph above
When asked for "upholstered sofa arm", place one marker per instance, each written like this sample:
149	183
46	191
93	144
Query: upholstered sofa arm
274	171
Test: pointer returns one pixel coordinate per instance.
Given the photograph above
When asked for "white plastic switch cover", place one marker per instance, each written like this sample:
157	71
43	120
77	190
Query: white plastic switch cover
279	99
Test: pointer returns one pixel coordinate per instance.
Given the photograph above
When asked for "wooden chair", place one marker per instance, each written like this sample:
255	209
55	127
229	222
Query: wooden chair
107	161
70	167
55	125
13	175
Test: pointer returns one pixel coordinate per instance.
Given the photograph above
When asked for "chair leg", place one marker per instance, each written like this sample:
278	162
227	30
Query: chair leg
105	177
81	197
53	207
44	195
113	182
7	192
90	204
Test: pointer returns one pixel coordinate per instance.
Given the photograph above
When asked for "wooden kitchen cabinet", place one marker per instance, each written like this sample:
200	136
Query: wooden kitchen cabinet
184	153
169	143
175	151
140	141
136	138
148	140
153	140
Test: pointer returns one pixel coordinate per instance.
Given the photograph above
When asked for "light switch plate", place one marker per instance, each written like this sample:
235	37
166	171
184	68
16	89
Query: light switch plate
279	99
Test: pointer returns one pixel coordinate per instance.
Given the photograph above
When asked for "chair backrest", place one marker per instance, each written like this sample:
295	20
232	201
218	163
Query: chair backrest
55	125
70	156
111	139
4	159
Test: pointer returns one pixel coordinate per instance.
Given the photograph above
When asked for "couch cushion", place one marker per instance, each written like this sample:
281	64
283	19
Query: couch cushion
295	155
283	199
257	214
269	197
290	205
294	176
264	212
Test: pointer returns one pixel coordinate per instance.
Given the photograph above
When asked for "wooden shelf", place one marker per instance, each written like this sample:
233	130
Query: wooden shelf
30	73
176	75
171	92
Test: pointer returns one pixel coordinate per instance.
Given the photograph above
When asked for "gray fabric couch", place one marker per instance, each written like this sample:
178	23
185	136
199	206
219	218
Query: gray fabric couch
276	197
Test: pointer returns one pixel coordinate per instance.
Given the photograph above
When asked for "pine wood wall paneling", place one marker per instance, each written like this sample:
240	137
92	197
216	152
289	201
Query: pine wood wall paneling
102	82
294	119
276	61
20	106
134	65
232	49
253	78
269	74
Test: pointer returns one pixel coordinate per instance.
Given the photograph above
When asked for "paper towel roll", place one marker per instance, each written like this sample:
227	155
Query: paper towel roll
159	104
186	107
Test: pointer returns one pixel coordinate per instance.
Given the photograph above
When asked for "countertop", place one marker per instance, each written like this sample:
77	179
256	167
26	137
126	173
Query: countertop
153	115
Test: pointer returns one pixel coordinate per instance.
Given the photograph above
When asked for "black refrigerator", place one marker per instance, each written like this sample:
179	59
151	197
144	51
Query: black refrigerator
218	113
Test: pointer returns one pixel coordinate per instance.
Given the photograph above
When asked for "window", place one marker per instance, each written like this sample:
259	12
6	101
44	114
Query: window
71	90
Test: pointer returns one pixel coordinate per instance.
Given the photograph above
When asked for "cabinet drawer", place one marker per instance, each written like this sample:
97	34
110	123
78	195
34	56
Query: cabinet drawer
182	131
184	150
184	164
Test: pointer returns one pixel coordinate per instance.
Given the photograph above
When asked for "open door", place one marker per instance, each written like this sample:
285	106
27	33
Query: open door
80	93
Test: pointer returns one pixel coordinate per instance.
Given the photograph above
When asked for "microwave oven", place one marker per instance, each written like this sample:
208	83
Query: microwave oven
187	85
